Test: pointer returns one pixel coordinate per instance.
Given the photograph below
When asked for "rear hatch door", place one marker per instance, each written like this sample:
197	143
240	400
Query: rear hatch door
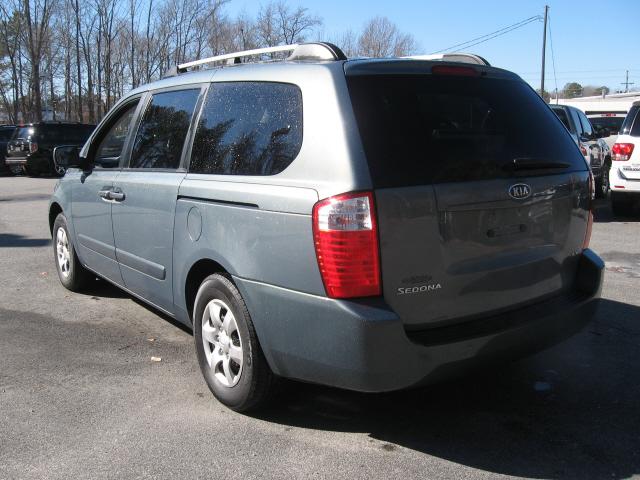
482	195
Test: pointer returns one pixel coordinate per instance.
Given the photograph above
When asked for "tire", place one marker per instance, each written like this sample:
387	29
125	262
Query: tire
240	385
602	184
620	206
71	273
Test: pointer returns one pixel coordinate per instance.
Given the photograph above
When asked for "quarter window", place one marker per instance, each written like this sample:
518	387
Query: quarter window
163	129
248	128
586	124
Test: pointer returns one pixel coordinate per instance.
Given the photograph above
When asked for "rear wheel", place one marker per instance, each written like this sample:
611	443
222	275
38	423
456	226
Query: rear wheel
72	274
229	354
620	205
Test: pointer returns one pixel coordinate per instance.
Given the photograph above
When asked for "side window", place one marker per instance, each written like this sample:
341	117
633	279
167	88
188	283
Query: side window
635	130
586	124
576	122
630	122
110	147
248	128
163	129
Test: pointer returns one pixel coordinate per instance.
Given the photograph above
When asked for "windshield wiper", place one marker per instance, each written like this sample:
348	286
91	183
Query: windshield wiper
535	164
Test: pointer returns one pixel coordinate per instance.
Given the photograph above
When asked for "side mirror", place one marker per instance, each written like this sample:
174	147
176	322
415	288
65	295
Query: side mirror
68	156
584	138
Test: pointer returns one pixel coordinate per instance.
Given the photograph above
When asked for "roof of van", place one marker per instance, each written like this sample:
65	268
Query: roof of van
351	67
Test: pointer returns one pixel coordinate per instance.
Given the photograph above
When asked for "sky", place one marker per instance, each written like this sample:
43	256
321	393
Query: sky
594	41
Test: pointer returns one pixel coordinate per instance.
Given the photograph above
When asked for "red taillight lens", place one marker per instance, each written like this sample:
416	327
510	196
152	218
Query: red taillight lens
33	147
346	239
622	151
583	149
453	70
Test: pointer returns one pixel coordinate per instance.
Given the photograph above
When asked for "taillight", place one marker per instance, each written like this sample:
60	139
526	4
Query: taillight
33	147
346	239
622	151
583	149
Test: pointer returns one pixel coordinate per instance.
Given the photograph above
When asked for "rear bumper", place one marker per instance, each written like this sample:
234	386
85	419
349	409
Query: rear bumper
16	161
621	184
364	346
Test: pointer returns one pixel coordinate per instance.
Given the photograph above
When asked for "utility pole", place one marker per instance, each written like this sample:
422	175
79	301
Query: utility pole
544	48
627	83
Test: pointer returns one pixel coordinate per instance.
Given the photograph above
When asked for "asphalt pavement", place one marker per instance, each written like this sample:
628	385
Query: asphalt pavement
80	396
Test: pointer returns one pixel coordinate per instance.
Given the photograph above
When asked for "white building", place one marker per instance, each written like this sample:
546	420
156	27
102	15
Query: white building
613	103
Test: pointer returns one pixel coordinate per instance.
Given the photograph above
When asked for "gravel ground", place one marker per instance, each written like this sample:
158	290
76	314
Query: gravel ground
81	398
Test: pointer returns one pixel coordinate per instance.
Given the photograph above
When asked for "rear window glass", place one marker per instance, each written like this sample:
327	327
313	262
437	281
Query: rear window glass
562	115
613	124
23	133
423	129
55	134
248	128
629	127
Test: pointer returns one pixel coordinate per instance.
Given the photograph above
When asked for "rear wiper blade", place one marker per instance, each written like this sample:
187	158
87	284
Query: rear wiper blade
535	164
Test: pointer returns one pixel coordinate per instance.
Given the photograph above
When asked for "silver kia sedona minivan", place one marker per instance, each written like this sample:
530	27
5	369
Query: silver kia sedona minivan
369	224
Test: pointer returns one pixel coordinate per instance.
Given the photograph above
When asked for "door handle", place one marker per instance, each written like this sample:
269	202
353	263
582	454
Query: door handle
104	194
117	196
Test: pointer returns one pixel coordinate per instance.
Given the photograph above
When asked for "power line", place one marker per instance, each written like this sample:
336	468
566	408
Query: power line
492	35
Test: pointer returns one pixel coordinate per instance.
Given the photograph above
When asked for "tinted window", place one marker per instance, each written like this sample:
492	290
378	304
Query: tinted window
586	125
613	124
422	129
24	133
63	134
110	147
163	129
5	134
629	125
248	128
576	121
562	115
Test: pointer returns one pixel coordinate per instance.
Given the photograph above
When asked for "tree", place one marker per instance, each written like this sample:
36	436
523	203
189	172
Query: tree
572	90
382	38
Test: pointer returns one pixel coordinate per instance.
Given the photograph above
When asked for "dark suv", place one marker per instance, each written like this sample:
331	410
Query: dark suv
30	149
6	131
365	224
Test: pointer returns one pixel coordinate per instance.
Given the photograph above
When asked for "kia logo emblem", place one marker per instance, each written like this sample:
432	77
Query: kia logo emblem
520	191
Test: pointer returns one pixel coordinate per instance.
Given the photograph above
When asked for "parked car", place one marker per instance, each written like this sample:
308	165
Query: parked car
30	149
611	121
625	174
5	134
591	142
366	224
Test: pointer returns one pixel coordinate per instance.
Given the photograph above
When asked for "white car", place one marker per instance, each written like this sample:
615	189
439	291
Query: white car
624	176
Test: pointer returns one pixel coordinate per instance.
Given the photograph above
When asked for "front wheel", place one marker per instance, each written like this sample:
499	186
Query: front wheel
229	354
71	273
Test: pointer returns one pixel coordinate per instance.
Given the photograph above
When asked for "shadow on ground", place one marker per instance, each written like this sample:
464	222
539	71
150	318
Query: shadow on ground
602	212
571	412
13	240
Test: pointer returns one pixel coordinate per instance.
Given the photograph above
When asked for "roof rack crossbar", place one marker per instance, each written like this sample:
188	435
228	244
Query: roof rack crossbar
236	55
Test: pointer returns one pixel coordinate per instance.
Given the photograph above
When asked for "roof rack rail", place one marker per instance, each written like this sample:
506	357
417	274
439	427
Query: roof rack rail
453	57
305	51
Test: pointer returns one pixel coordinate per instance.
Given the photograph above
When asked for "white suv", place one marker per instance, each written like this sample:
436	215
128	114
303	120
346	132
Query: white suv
624	176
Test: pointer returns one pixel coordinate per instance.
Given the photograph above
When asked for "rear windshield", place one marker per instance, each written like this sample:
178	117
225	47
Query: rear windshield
54	134
562	115
629	127
613	124
433	129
